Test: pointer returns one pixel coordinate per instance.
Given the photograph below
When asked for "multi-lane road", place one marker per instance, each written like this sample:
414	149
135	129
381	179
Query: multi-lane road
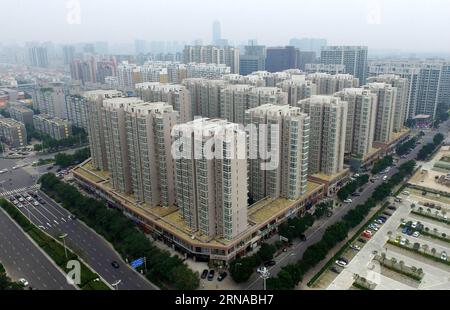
296	252
92	248
56	220
23	259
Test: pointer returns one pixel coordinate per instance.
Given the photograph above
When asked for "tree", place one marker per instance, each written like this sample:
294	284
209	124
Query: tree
433	251
266	251
420	209
383	257
393	261
425	247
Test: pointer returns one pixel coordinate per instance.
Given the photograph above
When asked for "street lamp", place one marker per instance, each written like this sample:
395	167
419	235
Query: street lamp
116	284
63	236
264	274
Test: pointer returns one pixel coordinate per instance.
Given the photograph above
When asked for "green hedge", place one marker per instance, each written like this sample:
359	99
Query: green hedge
122	233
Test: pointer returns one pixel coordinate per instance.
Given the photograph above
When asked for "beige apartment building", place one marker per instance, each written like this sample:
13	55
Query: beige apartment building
205	96
94	120
234	102
115	132
327	84
148	129
361	118
298	88
327	137
284	173
212	191
386	102
176	95
401	101
13	132
55	127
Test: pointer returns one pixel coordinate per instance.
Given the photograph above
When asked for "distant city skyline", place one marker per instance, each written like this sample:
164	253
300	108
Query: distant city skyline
409	26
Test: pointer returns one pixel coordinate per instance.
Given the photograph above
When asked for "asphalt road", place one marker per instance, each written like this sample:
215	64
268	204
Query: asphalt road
23	259
296	252
91	247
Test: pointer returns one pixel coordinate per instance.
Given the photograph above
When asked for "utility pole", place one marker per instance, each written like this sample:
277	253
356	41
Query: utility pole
265	274
63	236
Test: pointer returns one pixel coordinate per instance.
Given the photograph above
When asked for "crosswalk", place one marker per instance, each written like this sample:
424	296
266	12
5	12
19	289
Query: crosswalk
18	190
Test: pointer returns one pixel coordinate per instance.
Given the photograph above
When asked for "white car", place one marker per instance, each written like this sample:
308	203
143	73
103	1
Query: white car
15	202
414	225
355	247
15	167
348	201
20	205
405	193
23	281
416	234
21	199
36	203
402	241
444	256
385	178
29	198
341	263
261	270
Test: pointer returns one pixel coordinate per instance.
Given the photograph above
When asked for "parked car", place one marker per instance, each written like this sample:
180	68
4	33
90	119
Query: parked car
392	208
416	234
24	282
355	247
444	256
115	264
204	274
335	270
222	275
402	241
348	200
211	275
341	263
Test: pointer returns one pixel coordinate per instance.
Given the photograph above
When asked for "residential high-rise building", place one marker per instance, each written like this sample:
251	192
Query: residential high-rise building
282	58
128	75
306	58
401	102
212	54
77	110
55	127
37	56
386	103
205	96
328	84
212	190
298	88
353	57
68	54
327	137
148	127
116	141
322	68
13	132
361	119
50	99
176	95
207	71
254	59
286	138
95	124
22	114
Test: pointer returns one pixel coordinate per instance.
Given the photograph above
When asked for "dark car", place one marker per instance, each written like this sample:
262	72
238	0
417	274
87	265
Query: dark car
115	264
222	275
392	208
362	240
269	263
204	274
335	270
211	275
302	237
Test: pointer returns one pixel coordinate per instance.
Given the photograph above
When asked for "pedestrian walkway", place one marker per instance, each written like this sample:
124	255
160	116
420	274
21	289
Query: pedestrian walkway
18	190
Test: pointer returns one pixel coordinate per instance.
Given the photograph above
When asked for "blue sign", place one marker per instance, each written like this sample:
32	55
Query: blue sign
138	262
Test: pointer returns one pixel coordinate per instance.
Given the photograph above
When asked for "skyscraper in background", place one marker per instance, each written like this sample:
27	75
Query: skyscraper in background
282	58
216	32
309	44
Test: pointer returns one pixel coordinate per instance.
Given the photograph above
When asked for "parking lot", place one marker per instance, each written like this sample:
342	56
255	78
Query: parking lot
409	251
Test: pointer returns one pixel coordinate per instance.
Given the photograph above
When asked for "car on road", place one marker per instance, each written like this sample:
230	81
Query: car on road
222	275
270	263
24	282
348	200
341	263
115	264
385	178
356	194
303	237
211	275
204	274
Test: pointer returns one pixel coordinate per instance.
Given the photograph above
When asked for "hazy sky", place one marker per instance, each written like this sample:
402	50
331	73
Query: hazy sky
413	25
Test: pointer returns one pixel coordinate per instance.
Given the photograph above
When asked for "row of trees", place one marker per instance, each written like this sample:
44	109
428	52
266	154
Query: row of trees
242	268
352	186
429	148
292	274
382	164
65	160
129	241
403	148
